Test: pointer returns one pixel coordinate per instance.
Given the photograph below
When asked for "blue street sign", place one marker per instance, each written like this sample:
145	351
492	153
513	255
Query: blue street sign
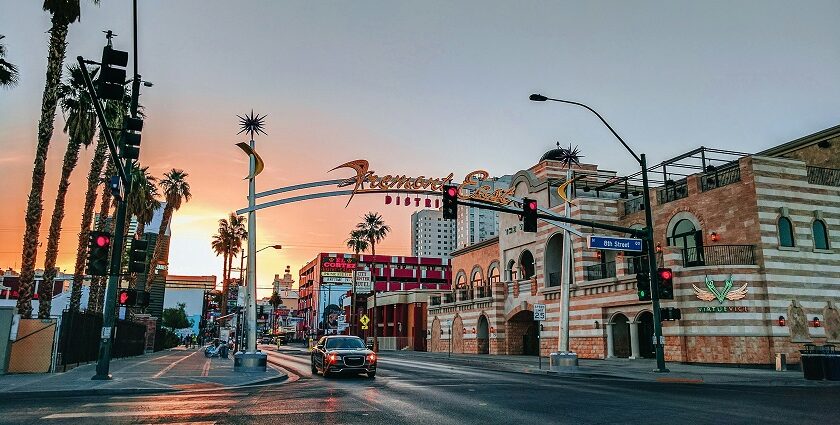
613	243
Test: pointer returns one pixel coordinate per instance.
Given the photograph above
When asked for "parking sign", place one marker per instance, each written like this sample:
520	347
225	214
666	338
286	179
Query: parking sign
539	312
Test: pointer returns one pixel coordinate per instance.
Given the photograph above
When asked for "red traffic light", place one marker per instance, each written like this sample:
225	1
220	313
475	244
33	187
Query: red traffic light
102	241
123	297
452	191
532	205
665	274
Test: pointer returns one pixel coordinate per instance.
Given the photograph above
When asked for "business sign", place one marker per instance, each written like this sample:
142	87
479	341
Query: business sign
613	243
364	281
712	293
329	279
539	312
337	269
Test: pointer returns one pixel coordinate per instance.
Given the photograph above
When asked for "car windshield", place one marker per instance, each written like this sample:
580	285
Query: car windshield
345	343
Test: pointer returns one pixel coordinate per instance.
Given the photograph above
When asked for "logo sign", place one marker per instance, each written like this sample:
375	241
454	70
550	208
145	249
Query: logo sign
613	243
539	312
363	281
712	293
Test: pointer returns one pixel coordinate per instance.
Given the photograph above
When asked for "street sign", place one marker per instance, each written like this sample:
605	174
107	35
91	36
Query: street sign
363	281
539	312
613	243
364	320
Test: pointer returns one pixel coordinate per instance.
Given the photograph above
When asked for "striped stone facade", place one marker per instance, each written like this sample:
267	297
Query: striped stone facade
743	295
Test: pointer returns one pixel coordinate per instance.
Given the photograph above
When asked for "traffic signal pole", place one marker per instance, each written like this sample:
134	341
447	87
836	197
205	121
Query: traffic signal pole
659	343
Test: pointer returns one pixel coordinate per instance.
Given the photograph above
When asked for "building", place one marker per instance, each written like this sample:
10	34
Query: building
157	291
752	241
474	225
403	285
190	291
62	287
431	235
285	284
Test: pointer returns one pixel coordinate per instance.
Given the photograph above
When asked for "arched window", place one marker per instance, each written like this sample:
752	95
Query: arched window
494	274
785	232
820	234
686	236
526	264
510	270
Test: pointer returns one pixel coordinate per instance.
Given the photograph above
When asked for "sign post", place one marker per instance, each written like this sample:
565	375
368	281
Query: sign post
539	316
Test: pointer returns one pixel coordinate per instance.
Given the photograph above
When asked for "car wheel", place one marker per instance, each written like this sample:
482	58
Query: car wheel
371	375
314	369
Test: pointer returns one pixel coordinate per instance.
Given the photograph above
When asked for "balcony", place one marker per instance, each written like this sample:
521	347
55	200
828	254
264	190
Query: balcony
483	291
672	191
599	271
634	205
720	177
719	255
638	264
823	176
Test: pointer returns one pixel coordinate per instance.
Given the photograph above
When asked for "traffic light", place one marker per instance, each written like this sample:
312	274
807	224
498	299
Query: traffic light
137	256
665	283
643	286
111	82
127	297
670	313
115	184
99	246
142	299
130	140
529	215
450	202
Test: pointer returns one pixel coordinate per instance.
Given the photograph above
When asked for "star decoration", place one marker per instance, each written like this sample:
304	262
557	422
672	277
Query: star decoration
569	157
251	124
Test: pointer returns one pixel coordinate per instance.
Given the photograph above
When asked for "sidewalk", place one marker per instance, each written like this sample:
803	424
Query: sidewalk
639	369
165	371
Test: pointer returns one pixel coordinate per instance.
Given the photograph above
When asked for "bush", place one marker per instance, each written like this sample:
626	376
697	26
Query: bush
165	338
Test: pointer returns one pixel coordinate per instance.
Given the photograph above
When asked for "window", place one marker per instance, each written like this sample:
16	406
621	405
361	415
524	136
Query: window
526	263
785	232
820	235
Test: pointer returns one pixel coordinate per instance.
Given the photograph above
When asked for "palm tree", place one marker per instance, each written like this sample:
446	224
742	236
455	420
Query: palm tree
80	124
220	244
64	12
275	302
141	202
373	229
238	233
8	71
358	241
175	190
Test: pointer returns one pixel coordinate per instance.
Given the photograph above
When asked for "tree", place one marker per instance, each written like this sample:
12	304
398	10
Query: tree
141	203
373	229
8	72
275	302
175	190
64	12
358	241
176	317
80	124
228	242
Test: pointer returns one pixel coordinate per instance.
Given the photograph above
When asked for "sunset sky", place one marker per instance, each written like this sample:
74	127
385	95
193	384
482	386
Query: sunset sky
417	88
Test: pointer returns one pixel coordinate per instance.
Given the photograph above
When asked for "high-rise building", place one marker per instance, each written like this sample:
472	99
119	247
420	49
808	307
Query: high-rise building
431	235
475	225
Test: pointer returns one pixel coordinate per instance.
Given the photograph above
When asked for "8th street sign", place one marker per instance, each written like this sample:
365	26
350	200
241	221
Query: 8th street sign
613	243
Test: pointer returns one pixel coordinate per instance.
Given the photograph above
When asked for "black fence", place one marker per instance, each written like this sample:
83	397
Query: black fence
672	191
599	271
719	255
80	333
823	176
720	177
634	205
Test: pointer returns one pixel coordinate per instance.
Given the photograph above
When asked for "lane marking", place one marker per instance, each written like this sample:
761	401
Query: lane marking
171	365
206	370
137	413
160	403
679	380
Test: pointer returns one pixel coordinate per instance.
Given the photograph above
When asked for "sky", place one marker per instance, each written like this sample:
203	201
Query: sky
417	88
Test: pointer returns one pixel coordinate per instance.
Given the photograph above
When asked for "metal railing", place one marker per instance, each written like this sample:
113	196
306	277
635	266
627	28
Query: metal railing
634	205
483	291
673	191
434	300
720	177
823	176
638	264
599	271
554	279
719	255
448	298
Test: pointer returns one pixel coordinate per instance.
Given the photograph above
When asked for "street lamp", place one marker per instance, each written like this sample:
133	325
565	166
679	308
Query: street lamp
241	268
654	285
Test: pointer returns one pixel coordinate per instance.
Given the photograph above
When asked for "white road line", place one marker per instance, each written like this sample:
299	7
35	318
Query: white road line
161	403
203	395
137	413
168	368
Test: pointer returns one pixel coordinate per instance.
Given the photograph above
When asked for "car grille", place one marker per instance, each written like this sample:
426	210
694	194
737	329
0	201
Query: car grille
354	361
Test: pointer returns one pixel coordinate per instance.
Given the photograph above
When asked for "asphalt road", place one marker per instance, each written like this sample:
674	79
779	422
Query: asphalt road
407	391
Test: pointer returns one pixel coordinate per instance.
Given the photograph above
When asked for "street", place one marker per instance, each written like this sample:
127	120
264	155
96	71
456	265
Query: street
421	391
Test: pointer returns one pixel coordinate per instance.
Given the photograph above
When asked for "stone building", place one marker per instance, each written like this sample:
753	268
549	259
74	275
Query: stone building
751	239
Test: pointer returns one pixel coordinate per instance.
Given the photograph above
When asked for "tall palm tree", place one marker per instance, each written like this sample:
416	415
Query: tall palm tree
141	202
64	12
374	229
175	190
358	241
8	71
97	283
80	124
238	233
220	243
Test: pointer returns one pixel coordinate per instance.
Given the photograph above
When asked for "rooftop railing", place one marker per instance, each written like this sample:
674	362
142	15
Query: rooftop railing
719	255
823	176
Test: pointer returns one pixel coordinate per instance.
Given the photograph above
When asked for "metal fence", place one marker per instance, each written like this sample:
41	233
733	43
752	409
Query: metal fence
823	176
719	255
720	177
634	205
673	191
81	331
600	271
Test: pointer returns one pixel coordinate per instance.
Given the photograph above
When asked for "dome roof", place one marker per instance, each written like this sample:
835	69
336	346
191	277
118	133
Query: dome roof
554	155
569	157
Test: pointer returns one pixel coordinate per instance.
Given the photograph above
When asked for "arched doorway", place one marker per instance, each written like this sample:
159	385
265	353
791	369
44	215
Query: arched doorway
483	335
553	260
521	334
526	264
435	340
645	323
457	335
621	335
687	236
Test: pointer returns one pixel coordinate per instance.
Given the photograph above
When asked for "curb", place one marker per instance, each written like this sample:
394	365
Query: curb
17	395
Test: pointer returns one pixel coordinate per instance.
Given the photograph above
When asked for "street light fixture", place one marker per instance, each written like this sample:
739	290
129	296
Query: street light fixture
657	324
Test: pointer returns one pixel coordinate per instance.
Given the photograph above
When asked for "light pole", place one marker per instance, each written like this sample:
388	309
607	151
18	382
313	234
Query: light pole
654	285
241	269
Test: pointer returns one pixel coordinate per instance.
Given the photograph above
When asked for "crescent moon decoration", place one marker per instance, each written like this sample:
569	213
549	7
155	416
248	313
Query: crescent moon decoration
259	164
561	190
